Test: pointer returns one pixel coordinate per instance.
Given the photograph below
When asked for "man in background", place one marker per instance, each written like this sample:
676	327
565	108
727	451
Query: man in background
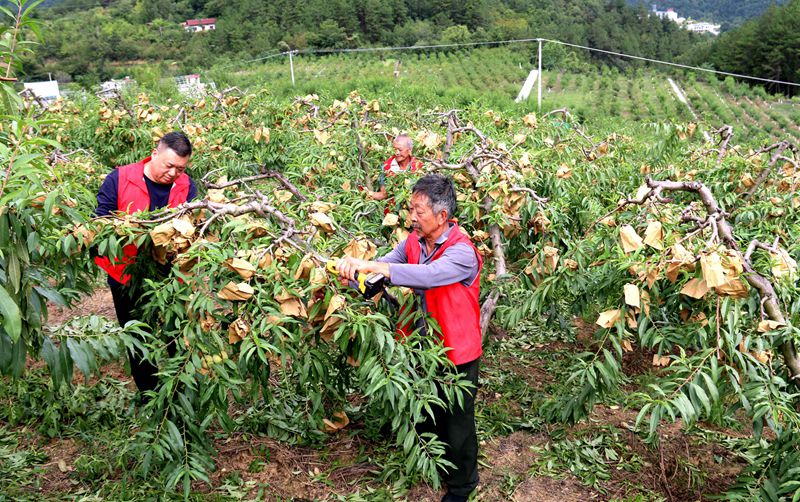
401	162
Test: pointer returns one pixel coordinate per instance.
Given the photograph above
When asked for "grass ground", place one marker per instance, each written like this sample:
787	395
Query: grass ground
71	451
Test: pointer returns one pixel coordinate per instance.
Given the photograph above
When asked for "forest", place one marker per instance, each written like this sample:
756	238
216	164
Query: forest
126	36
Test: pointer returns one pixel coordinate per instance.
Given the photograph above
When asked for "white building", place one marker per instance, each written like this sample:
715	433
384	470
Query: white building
695	26
205	24
669	14
190	85
699	27
46	91
116	85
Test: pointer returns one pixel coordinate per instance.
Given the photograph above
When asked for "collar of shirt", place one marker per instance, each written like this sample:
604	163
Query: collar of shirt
441	240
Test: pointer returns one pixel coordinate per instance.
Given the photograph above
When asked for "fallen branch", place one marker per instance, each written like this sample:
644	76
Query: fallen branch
310	104
361	154
177	119
725	133
61	157
563	111
451	119
220	104
539	200
117	96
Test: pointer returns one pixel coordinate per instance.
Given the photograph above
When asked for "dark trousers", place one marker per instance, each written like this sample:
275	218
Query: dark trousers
125	305
456	428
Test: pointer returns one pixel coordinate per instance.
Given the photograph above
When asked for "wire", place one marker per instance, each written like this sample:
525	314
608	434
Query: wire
256	59
669	63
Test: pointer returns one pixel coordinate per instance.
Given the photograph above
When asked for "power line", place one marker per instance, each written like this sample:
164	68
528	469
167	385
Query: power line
263	58
514	41
669	63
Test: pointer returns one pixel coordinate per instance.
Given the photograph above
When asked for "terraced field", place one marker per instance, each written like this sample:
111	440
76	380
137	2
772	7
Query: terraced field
493	77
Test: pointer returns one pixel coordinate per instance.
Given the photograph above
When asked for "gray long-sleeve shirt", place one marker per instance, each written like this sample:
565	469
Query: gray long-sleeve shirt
458	263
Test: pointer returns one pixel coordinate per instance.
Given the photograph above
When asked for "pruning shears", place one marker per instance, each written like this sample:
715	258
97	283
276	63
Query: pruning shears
368	285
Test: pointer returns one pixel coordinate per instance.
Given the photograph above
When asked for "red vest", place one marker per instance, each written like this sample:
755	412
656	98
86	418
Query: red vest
132	196
455	307
413	165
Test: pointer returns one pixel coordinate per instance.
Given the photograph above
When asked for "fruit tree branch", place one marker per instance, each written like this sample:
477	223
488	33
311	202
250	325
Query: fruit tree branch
716	217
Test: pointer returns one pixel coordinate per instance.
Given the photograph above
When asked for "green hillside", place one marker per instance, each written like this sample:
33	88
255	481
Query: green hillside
636	324
87	41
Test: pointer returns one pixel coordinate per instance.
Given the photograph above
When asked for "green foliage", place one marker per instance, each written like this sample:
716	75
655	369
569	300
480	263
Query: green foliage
84	343
772	472
18	466
35	207
123	35
288	376
590	456
772	37
728	12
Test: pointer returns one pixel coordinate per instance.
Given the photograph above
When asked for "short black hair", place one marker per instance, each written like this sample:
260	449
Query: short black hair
440	191
178	142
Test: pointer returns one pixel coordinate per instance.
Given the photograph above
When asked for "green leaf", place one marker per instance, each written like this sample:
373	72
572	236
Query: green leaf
52	295
12	318
14	272
702	396
175	435
81	357
49	353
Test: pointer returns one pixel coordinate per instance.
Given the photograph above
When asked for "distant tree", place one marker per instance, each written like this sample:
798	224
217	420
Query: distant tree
767	47
457	34
329	34
414	32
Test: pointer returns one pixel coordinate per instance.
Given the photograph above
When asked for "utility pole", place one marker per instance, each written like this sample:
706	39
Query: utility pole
291	66
539	87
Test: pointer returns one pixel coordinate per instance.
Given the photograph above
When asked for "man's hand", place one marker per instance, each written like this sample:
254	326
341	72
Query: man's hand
379	195
349	268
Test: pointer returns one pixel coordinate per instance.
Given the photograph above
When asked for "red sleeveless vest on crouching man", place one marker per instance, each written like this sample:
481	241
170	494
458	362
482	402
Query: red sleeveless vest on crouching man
455	307
414	165
132	196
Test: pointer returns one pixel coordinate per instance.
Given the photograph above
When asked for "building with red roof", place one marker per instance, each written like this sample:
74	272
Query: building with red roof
195	25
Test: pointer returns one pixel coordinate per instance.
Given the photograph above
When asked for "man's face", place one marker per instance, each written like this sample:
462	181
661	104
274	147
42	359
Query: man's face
166	165
423	219
402	152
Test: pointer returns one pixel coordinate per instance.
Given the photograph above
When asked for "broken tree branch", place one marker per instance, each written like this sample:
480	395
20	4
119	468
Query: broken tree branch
725	134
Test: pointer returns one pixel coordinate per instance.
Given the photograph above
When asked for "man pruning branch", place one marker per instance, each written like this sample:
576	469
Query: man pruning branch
441	264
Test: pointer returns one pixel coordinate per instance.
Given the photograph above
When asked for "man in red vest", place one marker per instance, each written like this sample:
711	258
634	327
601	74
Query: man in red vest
147	185
402	161
441	264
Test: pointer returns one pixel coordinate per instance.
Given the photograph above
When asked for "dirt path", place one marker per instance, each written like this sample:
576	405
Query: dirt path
307	474
98	303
